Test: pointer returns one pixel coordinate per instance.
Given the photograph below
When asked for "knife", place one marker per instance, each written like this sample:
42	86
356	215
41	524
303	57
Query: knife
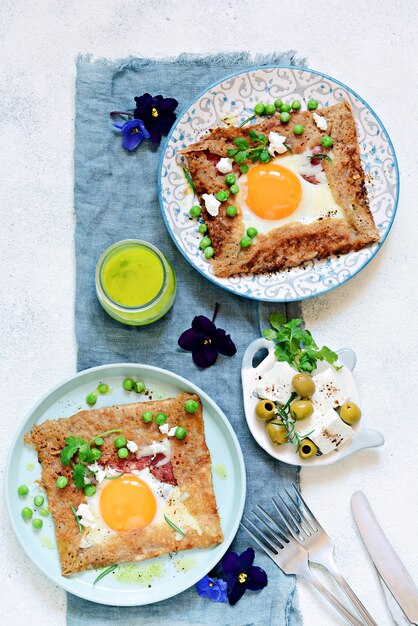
389	566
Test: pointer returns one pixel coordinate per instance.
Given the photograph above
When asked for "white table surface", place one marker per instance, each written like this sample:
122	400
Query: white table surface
369	46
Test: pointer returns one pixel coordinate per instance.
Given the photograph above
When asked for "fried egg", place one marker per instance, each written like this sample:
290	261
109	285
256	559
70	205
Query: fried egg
134	500
276	193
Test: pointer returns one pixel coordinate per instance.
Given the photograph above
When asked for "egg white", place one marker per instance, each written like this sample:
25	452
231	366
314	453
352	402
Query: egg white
317	200
170	503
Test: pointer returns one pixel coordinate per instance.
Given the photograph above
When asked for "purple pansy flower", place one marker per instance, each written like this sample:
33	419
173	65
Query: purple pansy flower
212	588
133	133
241	574
205	341
157	113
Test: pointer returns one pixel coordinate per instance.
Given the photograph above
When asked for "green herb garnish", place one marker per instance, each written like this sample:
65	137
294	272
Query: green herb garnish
296	346
104	573
289	423
246	121
79	474
189	179
245	152
113	477
174	527
80	528
321	157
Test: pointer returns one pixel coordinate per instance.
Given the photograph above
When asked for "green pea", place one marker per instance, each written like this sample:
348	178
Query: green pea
195	211
264	156
96	454
128	384
91	399
61	482
231	210
37	523
312	105
252	232
204	242
90	490
103	388
327	141
26	513
180	432
234	189
120	441
191	406
160	419
259	108
284	117
147	417
295	105
285	108
270	109
245	242
44	512
38	500
99	441
123	453
230	179
22	490
278	103
244	168
202	228
139	386
209	252
222	195
298	129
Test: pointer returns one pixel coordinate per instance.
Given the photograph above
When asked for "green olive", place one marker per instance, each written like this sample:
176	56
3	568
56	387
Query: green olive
301	409
265	410
303	385
350	413
277	432
308	449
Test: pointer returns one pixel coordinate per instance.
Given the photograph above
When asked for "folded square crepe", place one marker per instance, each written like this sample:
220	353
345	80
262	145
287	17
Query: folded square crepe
191	470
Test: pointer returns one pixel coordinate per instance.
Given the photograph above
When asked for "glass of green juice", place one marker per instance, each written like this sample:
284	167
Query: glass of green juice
135	283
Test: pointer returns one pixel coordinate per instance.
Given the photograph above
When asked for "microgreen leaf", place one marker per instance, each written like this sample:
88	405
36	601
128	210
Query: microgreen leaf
105	572
80	528
232	152
241	143
78	475
174	527
189	179
277	319
67	454
240	156
320	157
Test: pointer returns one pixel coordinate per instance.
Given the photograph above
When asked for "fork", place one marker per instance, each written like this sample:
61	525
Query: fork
286	552
309	533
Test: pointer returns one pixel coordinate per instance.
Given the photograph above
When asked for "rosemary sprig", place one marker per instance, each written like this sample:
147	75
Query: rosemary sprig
289	423
189	179
246	121
321	157
80	528
113	477
174	527
104	573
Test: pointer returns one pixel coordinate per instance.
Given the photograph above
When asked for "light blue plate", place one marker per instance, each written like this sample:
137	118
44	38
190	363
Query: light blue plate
234	97
67	398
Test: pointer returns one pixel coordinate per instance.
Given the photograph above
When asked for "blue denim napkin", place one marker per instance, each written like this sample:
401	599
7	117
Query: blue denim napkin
116	198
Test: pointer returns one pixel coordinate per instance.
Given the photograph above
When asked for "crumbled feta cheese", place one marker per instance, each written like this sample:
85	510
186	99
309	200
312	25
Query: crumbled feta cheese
330	432
164	428
85	516
329	391
320	121
132	446
224	165
157	447
276	384
276	143
172	431
98	471
211	203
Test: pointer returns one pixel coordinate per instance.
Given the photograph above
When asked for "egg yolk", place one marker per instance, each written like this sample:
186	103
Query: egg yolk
127	502
274	191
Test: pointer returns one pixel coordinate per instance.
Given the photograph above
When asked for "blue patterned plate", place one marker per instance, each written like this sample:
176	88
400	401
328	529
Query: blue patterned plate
234	97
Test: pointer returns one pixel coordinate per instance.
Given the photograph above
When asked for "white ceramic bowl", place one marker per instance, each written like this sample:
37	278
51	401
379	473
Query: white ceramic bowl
363	438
